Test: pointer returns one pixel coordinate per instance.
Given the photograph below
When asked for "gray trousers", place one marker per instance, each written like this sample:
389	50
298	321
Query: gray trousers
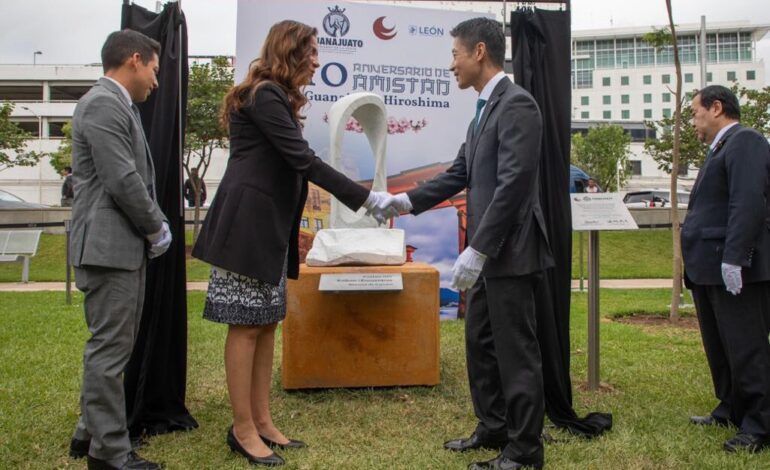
113	310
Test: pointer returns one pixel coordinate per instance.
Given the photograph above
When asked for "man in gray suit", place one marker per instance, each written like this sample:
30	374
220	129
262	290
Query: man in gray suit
116	226
507	249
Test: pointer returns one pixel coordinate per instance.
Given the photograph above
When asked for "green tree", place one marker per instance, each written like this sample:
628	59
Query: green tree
603	153
13	141
755	113
208	84
63	155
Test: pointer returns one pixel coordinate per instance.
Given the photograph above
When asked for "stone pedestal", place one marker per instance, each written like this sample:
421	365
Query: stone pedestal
362	339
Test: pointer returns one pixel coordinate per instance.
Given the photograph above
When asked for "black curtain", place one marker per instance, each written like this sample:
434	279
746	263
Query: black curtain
155	380
541	65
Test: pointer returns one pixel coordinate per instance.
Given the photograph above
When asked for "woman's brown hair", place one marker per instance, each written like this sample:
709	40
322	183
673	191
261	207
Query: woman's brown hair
284	60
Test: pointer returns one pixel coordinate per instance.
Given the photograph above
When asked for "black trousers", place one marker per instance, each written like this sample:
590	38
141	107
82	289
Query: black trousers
504	364
735	332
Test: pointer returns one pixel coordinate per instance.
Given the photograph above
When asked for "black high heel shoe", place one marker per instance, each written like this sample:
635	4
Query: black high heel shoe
272	460
292	444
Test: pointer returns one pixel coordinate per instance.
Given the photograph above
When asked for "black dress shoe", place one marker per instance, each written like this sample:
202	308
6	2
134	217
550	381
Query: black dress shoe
501	462
134	462
745	441
475	442
708	420
271	460
79	447
292	444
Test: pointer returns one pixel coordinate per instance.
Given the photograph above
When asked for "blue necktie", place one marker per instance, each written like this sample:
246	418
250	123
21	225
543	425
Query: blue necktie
479	106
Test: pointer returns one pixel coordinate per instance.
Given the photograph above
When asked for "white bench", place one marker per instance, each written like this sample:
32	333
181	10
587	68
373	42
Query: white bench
19	245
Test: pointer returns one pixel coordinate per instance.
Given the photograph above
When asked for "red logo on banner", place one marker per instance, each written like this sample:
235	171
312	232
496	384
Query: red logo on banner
381	31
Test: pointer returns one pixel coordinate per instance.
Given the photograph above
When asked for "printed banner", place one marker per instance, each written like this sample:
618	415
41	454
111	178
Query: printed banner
402	54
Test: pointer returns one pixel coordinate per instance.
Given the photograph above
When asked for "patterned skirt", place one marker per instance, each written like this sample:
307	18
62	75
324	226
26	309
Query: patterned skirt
235	299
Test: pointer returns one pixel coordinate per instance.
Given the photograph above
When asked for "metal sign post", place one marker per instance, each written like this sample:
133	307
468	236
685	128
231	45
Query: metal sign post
592	213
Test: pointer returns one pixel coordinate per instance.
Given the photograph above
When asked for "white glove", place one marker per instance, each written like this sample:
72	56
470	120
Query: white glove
159	241
731	274
378	206
401	203
467	268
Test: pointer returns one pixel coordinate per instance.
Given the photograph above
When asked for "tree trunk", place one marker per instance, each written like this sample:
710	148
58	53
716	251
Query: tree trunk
676	287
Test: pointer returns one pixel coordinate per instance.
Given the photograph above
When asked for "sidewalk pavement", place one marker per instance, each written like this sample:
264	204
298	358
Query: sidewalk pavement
202	286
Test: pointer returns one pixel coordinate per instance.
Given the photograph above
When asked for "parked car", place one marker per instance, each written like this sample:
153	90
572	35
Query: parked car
9	201
655	198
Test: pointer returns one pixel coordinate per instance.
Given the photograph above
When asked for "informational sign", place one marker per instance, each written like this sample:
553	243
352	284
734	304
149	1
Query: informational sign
602	211
361	282
402	54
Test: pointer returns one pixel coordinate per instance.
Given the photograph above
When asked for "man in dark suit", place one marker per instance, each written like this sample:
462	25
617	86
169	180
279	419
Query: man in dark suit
726	250
506	253
116	226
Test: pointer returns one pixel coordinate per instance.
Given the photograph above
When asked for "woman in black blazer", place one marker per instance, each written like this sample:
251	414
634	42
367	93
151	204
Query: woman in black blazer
250	235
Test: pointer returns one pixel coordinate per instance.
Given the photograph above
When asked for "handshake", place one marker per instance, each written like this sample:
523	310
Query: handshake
383	205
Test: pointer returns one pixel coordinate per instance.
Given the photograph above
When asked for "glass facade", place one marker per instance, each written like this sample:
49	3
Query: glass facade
631	52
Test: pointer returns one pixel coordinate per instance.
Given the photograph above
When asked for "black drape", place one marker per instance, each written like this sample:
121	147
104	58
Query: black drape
541	65
155	380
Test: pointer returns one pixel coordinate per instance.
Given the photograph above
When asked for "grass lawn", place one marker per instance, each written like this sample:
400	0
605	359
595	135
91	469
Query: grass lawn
656	377
623	255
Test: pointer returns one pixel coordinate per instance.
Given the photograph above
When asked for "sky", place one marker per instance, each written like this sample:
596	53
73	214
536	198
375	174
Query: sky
72	31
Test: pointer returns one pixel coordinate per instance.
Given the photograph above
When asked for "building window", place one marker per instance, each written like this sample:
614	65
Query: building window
32	127
709	77
605	54
731	76
304	223
688	49
624	99
751	75
645	53
624	80
648	97
607	114
636	167
665	78
647	79
666	97
625	114
606	81
648	114
711	48
584	115
68	93
665	55
583	73
21	93
606	99
319	224
728	47
584	100
682	171
744	47
666	112
688	78
624	53
56	129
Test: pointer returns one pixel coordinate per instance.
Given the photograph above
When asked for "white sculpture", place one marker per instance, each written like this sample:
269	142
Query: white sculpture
355	238
369	110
